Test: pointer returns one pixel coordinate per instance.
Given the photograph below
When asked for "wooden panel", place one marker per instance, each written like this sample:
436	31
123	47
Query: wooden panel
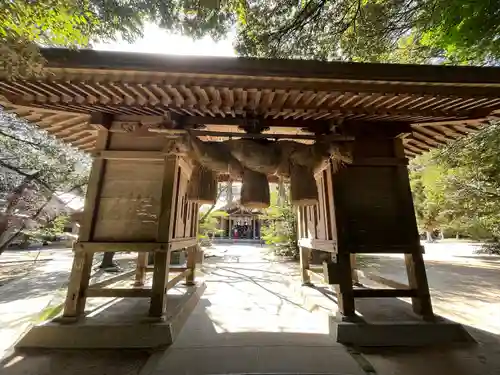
130	200
180	222
142	209
120	246
133	142
373	212
128	170
125	230
129	188
323	245
320	209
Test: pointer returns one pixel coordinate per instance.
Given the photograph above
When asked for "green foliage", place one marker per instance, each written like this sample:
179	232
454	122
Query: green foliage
458	32
26	25
457	189
50	229
280	232
34	169
429	196
209	226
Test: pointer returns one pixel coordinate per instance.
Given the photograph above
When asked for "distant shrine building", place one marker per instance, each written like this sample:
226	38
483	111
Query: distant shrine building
240	222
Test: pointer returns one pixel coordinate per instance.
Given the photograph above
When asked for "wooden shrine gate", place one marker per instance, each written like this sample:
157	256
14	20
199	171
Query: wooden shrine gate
126	108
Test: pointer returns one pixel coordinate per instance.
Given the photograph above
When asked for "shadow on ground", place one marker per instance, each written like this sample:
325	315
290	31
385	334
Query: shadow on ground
212	344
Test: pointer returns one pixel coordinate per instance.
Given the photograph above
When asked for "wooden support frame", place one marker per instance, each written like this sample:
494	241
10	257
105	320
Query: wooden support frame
111	204
165	228
383	160
74	305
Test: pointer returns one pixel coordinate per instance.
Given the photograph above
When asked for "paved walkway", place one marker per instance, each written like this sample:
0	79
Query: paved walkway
464	286
250	321
22	300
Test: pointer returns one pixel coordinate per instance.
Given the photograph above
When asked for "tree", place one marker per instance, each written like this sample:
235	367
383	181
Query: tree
26	25
34	169
457	188
281	229
459	32
429	193
474	179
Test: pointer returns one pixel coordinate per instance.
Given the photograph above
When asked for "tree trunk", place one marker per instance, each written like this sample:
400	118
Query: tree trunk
428	236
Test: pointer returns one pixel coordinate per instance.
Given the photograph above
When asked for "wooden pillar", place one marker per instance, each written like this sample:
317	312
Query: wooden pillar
74	305
414	261
304	265
345	294
229	194
140	271
191	264
354	272
230	231
374	210
164	234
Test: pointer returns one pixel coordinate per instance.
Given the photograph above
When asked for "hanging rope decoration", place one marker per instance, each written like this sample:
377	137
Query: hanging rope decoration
202	187
254	160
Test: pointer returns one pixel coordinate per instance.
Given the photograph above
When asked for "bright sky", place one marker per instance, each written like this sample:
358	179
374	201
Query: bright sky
157	40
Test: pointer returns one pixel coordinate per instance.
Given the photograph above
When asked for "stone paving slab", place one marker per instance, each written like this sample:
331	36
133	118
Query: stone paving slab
250	321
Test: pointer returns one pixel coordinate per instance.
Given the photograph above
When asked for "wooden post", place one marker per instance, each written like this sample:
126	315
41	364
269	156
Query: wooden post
229	192
164	234
191	264
74	305
344	289
354	273
140	271
415	266
304	265
417	279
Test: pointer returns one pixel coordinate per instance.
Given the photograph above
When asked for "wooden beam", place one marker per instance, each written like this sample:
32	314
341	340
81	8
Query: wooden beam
171	269
94	247
101	120
118	292
113	279
383	293
315	244
130	155
178	278
181	243
379	161
430	141
201	133
375	128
